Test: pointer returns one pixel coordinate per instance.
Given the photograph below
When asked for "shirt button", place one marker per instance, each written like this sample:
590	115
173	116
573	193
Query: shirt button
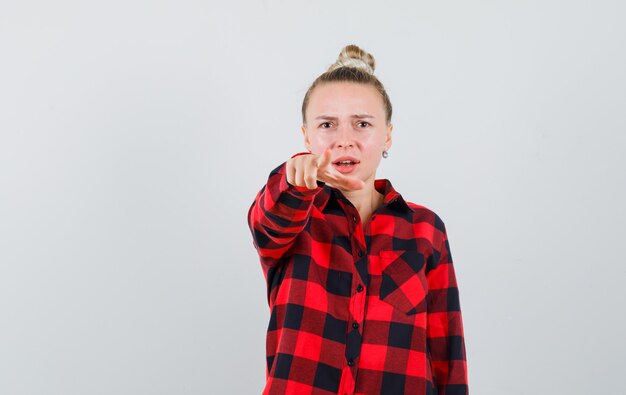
360	254
350	362
354	219
359	288
355	325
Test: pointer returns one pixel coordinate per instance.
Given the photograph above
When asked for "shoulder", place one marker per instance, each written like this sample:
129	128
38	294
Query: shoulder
423	214
418	214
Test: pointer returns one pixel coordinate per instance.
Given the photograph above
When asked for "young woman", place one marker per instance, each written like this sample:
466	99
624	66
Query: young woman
361	287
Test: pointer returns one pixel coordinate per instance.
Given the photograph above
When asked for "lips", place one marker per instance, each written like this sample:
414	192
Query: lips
346	160
345	164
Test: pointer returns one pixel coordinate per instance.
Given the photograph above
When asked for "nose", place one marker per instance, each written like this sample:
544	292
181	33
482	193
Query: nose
344	137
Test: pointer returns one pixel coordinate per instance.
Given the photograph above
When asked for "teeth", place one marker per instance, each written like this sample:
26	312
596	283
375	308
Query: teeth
345	162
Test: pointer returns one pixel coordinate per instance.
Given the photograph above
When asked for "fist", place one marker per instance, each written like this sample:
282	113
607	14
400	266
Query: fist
306	170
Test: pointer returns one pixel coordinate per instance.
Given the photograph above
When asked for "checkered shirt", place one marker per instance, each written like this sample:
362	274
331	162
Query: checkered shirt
363	309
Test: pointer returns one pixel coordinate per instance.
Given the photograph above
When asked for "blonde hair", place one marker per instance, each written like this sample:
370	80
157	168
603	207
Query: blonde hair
353	65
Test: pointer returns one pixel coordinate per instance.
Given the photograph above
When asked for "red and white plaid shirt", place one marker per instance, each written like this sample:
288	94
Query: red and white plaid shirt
356	308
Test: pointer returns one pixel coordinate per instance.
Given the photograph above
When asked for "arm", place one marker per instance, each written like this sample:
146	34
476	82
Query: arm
446	341
283	207
279	213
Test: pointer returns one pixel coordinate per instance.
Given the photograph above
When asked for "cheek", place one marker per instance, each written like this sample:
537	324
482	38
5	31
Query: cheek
318	144
372	144
373	149
317	149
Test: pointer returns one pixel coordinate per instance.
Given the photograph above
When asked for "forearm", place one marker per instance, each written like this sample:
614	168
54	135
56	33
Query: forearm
279	213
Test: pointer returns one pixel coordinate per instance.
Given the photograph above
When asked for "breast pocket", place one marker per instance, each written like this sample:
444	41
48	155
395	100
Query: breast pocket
403	283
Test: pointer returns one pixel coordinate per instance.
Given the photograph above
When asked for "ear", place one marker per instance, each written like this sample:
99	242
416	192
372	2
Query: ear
305	134
388	137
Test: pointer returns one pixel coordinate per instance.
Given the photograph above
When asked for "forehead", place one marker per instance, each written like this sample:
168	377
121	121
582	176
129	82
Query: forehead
345	98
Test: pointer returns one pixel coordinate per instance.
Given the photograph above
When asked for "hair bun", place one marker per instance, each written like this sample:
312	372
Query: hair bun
353	56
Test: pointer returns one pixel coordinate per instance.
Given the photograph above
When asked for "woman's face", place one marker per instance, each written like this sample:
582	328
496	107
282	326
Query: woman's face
350	119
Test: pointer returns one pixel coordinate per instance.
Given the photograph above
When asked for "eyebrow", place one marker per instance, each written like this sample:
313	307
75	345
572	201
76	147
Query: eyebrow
352	116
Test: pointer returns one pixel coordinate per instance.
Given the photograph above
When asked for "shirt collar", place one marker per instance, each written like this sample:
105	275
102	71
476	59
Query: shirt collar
391	197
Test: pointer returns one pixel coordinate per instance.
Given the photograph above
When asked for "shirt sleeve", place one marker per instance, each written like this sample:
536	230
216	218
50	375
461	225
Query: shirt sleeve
278	214
445	337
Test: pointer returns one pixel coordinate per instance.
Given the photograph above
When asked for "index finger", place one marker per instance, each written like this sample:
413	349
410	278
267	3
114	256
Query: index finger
324	159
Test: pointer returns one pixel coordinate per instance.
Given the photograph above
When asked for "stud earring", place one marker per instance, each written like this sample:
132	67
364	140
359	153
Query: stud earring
385	154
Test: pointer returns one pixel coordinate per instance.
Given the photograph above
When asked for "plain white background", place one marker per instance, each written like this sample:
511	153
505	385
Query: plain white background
134	136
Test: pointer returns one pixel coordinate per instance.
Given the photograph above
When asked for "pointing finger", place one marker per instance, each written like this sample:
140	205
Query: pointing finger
324	159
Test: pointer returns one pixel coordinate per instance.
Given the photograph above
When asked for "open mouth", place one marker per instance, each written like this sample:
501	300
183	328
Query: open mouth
345	165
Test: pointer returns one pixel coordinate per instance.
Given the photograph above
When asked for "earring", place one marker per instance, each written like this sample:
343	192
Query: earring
385	154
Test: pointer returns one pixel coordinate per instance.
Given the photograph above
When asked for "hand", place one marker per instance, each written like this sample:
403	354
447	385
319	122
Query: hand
306	170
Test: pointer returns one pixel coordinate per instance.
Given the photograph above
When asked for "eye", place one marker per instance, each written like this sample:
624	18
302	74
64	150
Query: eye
325	125
366	124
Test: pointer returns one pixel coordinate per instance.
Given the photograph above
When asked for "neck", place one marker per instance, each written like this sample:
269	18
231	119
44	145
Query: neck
365	200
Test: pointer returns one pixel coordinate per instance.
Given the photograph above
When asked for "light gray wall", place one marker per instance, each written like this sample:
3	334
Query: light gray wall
135	134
